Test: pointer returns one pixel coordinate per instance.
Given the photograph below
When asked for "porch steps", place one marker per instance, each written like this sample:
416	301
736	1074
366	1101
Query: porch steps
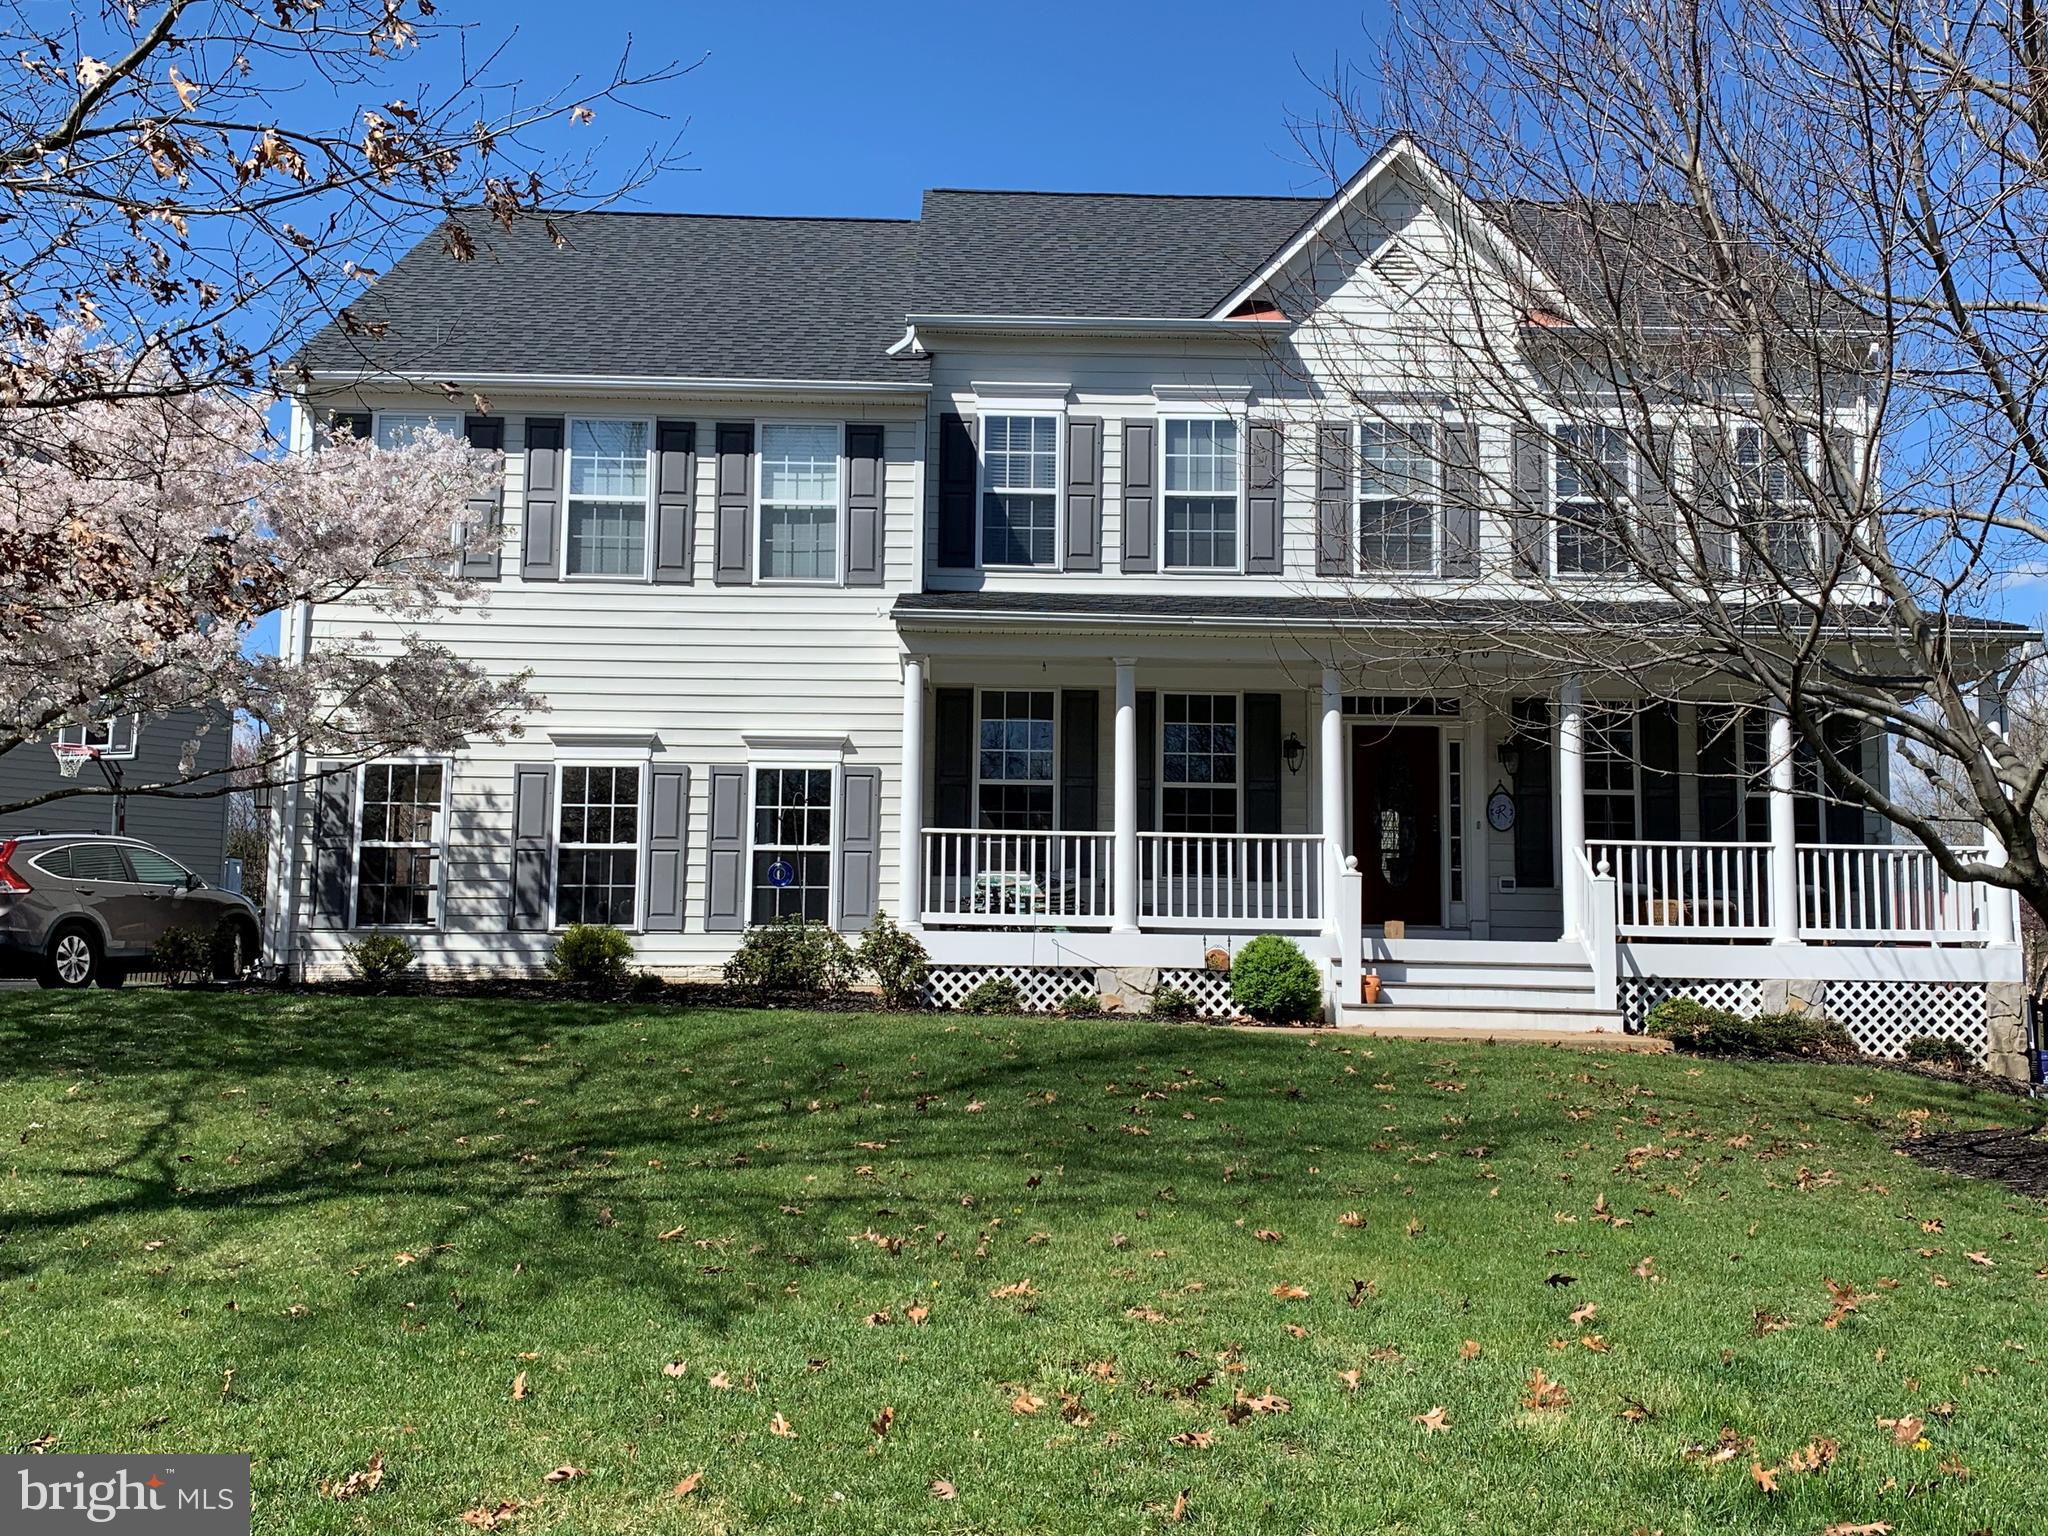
1503	1026
1480	989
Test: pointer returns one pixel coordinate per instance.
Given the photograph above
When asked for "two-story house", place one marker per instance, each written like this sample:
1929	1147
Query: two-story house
1008	570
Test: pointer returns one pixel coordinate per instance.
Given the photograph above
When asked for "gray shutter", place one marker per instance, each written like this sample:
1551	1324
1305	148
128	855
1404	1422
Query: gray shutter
1460	461
864	504
356	422
725	853
1531	480
1141	497
541	539
486	517
953	758
1080	751
1333	500
334	837
1262	762
1713	503
860	847
1084	494
734	527
1657	737
675	499
1148	762
959	474
1658	530
1535	801
1842	818
665	850
533	826
1718	731
1263	516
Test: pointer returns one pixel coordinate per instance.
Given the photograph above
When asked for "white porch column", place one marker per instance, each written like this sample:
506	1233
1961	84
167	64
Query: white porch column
1124	861
1784	835
910	799
1330	765
2001	913
1571	803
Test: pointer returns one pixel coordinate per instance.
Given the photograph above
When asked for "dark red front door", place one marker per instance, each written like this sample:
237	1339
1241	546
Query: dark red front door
1396	826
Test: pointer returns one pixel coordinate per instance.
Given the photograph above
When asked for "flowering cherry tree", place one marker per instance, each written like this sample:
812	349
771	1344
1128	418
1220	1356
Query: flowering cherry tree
142	537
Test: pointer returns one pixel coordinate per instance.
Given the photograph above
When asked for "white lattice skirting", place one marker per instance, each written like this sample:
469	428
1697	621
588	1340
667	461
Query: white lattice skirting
1044	987
1880	1016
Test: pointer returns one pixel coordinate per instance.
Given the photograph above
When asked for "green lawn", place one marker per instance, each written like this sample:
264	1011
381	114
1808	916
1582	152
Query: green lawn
1065	1255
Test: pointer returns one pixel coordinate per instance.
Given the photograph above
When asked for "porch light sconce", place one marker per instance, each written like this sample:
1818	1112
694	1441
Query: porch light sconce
1510	754
1292	749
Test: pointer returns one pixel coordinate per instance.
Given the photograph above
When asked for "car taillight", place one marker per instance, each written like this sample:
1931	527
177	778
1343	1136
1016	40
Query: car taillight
9	880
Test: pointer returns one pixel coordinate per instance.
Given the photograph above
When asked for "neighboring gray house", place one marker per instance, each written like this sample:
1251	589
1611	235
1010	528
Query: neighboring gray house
980	568
192	831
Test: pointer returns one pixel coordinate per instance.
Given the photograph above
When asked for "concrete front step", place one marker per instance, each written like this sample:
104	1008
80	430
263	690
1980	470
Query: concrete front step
1480	1023
1547	998
1414	974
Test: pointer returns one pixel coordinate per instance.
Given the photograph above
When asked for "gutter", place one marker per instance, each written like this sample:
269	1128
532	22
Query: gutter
1090	325
623	384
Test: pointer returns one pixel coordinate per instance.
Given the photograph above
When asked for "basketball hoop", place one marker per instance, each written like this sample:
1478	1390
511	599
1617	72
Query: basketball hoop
71	757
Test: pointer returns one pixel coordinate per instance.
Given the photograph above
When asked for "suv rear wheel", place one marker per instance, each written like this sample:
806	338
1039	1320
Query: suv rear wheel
234	950
73	958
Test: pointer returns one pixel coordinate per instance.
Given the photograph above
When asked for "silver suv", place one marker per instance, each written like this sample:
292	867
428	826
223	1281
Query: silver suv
77	909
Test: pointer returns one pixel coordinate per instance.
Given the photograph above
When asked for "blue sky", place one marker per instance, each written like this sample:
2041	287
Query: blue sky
813	108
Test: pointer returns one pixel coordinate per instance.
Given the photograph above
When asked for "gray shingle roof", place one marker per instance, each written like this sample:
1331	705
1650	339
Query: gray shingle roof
1266	611
658	295
1094	253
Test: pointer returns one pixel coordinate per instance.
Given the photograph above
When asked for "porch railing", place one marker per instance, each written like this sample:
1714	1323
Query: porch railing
1230	880
1017	879
1688	890
1888	892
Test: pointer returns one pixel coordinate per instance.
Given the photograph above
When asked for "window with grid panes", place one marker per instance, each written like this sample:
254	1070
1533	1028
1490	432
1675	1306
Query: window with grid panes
792	856
1015	763
597	845
398	845
1198	762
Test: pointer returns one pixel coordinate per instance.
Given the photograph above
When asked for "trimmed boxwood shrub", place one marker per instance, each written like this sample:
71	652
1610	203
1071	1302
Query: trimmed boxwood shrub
379	960
1170	1002
1692	1026
183	954
1078	1004
1272	980
1940	1051
896	960
792	957
591	955
998	994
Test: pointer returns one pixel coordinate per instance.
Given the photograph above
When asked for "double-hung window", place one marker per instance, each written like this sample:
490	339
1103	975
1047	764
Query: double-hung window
1020	490
1778	536
1015	771
1201	494
597	845
800	501
1590	485
792	862
398	845
607	521
397	428
1397	513
1198	762
1610	767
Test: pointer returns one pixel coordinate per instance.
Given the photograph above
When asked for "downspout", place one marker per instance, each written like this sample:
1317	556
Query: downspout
295	645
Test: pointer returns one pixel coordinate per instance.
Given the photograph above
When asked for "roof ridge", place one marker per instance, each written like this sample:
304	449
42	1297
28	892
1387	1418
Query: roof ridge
1166	197
685	213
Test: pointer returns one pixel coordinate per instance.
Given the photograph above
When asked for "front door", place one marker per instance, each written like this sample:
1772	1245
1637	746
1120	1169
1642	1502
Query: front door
1396	823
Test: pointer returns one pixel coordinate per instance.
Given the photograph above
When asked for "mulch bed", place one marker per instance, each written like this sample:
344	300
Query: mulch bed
2016	1159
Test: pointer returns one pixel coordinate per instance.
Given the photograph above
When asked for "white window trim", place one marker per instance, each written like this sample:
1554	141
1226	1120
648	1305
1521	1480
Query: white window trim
436	922
1181	411
1053	783
1553	501
1800	511
1159	781
760	562
1056	412
377	420
646	504
800	761
1634	710
639	763
1429	424
74	735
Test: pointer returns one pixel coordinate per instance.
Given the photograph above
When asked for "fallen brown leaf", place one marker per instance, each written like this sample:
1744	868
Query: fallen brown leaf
943	1490
1432	1422
566	1473
519	1387
488	1517
779	1427
357	1483
883	1422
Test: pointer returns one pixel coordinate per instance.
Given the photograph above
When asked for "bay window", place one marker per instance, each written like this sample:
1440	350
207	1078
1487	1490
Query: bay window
1014	773
1198	762
1201	494
791	869
597	845
398	845
1020	490
1397	513
606	527
800	501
